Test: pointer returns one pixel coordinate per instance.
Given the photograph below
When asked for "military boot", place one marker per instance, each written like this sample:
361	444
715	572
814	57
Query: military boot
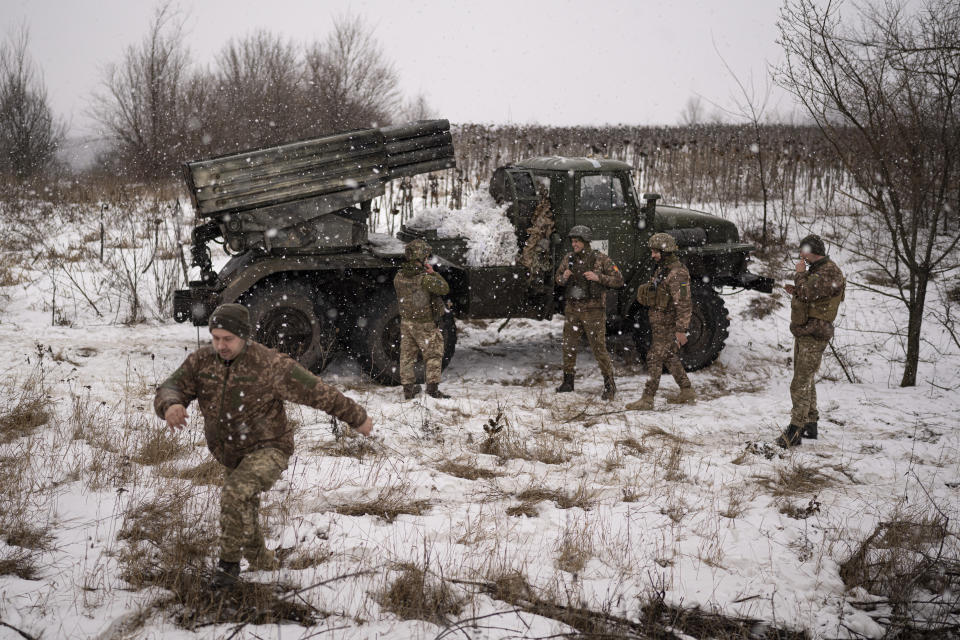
609	389
226	575
791	438
686	396
433	390
645	403
809	431
410	391
262	559
567	384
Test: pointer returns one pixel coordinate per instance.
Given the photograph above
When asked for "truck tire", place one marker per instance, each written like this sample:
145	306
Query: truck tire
292	318
707	333
376	339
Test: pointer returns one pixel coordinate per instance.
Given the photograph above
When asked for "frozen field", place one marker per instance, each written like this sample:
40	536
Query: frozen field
574	501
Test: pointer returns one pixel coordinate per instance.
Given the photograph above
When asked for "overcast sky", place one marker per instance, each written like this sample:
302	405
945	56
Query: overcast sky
526	61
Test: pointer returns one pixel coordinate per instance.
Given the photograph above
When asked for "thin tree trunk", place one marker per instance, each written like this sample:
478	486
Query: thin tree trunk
914	325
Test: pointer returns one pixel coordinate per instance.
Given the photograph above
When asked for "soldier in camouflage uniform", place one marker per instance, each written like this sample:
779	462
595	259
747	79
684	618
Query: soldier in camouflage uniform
587	275
669	306
818	289
240	387
419	291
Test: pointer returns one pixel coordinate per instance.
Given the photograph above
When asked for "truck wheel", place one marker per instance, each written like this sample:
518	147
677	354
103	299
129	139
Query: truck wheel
707	333
291	318
376	340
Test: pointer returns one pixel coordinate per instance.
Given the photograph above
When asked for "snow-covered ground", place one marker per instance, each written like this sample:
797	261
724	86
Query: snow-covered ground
687	501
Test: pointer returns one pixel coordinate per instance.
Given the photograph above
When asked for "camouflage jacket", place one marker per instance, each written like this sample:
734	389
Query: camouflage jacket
817	295
242	400
667	294
418	293
581	293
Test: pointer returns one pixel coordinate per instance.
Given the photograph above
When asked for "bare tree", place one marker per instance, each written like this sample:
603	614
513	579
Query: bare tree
750	105
886	95
351	84
692	113
143	109
417	108
29	134
258	102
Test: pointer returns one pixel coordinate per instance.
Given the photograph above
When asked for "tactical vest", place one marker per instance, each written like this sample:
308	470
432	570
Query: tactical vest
579	289
825	309
656	294
415	302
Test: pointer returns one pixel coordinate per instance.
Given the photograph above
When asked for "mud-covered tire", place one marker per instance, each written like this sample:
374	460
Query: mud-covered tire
376	339
706	336
292	317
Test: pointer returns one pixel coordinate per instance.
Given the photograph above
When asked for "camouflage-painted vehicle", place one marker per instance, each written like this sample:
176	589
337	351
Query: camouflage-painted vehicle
294	219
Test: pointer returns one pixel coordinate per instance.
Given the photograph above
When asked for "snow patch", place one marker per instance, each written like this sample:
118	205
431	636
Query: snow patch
491	238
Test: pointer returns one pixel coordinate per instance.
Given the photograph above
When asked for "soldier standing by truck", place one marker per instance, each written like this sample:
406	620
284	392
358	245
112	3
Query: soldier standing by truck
587	275
240	387
419	291
816	295
669	307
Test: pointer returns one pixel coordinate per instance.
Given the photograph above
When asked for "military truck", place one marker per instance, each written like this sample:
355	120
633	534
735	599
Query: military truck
294	219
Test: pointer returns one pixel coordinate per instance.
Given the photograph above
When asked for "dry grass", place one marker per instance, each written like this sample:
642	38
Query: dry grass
574	549
209	473
633	447
161	446
23	408
17	532
359	448
9	270
175	531
800	512
763	306
795	479
308	558
388	503
582	498
656	431
413	595
737	501
470	470
19	562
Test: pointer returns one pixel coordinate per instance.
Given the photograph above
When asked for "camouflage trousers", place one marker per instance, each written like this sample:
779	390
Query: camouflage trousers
240	533
807	354
593	324
416	338
664	351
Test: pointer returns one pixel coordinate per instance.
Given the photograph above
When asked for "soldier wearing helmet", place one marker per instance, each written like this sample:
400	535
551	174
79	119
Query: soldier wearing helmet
667	298
587	274
419	290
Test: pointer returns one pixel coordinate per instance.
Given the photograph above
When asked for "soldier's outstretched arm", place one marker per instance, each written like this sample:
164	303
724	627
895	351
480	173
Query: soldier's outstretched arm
294	383
180	389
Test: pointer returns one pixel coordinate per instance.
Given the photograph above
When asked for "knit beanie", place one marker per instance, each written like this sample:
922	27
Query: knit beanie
815	243
233	318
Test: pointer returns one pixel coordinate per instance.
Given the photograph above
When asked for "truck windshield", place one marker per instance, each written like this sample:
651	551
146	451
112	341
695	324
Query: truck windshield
602	192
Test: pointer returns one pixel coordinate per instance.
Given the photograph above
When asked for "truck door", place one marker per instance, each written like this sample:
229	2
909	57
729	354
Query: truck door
603	203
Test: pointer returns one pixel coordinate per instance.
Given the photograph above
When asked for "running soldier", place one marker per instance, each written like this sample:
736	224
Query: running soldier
240	387
587	275
419	290
669	306
816	295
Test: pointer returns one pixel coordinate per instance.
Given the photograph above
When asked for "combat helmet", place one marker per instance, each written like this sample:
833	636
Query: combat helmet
417	250
663	242
581	231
